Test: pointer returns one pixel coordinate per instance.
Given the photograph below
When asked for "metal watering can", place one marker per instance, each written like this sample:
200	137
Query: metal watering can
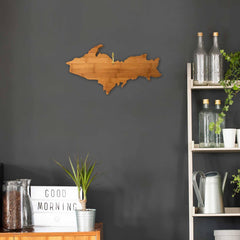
210	191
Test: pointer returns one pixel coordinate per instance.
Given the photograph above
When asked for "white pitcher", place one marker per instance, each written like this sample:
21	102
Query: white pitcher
210	191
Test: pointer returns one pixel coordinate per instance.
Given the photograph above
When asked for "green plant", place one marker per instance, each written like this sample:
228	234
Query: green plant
236	180
231	86
82	175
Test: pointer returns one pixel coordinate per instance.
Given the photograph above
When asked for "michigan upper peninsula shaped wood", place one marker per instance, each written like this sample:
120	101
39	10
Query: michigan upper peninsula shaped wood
109	73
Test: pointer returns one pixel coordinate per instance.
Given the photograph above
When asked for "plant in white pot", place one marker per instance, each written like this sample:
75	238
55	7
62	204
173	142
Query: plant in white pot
82	175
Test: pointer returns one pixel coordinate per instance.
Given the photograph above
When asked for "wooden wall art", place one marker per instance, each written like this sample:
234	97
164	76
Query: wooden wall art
109	73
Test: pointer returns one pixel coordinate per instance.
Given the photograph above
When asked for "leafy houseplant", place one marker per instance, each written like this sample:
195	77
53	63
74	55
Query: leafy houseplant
236	180
82	175
231	86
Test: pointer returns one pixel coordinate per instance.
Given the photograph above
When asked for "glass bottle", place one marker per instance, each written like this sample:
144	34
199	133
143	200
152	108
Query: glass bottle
206	116
200	63
12	205
27	211
215	62
218	137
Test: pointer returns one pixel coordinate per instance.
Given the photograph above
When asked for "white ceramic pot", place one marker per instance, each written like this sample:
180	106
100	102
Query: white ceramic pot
229	136
85	220
227	234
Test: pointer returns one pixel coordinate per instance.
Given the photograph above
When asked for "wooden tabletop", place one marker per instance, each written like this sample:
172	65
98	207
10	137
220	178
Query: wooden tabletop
52	231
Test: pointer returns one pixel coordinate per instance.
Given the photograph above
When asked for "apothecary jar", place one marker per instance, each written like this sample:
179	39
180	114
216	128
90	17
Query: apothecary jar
12	205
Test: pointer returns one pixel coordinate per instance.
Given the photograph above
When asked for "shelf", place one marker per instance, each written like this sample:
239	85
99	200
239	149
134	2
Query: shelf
214	150
51	233
196	87
194	148
205	87
229	212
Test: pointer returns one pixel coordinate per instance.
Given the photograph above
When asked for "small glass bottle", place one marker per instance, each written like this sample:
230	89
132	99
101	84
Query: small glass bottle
200	63
215	62
206	116
27	211
218	137
12	205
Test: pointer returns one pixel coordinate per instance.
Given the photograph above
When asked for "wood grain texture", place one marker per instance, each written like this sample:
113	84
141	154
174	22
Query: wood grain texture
110	73
93	235
35	238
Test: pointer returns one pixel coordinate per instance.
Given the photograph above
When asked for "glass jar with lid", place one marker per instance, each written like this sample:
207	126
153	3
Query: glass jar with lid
12	205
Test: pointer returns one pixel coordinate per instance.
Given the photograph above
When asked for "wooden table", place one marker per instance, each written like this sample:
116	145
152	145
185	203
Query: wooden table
54	234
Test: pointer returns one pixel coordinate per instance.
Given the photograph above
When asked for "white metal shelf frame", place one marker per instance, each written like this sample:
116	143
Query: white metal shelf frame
194	148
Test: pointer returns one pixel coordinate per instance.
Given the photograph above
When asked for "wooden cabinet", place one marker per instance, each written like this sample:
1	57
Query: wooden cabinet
97	234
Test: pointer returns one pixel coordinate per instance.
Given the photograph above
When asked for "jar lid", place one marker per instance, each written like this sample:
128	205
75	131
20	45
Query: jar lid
215	34
217	102
205	101
200	34
12	182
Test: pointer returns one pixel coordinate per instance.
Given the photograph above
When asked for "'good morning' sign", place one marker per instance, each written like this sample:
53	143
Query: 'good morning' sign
54	205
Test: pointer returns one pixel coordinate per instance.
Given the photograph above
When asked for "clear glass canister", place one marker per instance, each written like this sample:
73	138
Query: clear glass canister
27	211
12	205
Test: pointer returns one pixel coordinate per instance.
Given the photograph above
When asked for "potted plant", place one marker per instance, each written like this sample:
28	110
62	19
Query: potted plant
82	175
236	181
231	85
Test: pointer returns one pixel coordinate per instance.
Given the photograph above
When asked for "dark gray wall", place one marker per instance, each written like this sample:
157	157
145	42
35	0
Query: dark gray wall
138	133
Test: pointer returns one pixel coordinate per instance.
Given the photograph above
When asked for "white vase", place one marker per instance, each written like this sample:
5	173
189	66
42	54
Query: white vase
229	136
85	220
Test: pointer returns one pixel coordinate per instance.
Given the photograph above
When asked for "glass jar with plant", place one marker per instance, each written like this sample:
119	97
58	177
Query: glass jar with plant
82	175
231	85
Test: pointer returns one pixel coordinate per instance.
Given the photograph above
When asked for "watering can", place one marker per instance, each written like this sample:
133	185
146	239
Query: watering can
210	191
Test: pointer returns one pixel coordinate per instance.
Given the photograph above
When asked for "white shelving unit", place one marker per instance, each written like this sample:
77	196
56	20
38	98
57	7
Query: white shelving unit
194	148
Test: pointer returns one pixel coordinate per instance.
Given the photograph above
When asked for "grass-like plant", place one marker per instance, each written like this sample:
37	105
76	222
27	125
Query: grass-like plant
82	175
